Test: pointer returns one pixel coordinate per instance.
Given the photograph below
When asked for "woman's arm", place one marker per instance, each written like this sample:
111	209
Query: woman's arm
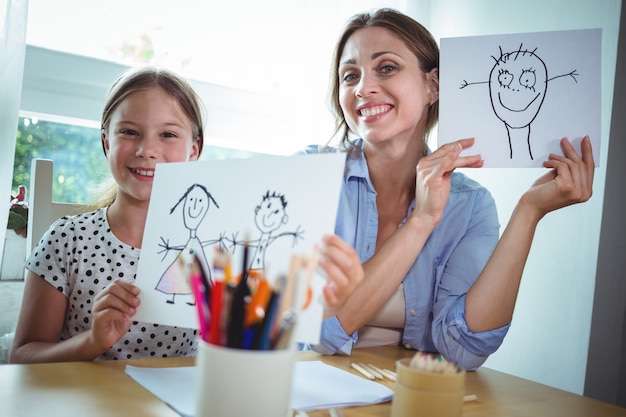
387	268
491	300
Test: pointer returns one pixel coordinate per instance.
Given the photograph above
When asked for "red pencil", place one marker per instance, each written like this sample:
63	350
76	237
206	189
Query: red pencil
216	313
220	265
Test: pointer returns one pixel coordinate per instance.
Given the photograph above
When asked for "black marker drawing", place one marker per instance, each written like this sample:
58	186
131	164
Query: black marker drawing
175	280
269	216
518	83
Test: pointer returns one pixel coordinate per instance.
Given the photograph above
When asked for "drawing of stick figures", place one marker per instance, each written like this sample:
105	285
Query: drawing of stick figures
517	88
175	279
269	216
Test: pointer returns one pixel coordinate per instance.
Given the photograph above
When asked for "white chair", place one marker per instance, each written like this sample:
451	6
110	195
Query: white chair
42	211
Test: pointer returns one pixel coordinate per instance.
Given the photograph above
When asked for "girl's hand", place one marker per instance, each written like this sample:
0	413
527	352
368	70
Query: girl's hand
112	312
343	269
569	182
432	186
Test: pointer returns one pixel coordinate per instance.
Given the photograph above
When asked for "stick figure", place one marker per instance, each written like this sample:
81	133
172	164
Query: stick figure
517	87
269	216
175	279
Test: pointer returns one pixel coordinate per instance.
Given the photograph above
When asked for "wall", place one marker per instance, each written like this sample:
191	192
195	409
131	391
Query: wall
606	364
549	337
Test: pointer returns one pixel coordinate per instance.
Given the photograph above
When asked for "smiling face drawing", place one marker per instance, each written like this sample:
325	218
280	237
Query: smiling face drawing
270	214
517	87
195	207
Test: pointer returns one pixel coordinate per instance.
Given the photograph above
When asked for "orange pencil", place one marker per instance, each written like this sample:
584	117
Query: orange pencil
255	309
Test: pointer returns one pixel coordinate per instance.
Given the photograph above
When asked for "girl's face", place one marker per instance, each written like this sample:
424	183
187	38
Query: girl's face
147	128
383	92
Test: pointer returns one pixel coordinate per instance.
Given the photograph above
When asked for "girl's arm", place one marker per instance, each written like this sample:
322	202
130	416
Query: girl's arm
42	316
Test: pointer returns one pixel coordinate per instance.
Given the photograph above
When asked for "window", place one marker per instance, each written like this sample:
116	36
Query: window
251	66
79	162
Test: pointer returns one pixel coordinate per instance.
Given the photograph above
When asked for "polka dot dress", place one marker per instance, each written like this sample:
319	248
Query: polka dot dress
80	256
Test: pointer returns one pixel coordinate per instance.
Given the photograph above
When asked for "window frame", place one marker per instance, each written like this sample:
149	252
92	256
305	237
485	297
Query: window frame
63	86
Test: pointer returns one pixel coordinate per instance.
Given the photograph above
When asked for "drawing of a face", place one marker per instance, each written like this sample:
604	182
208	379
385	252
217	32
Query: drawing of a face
195	207
270	214
517	87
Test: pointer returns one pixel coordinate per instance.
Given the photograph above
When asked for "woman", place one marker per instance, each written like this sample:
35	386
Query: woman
436	277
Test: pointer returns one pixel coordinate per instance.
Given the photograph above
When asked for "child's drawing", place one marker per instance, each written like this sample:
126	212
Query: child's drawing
269	216
519	94
518	83
175	279
276	203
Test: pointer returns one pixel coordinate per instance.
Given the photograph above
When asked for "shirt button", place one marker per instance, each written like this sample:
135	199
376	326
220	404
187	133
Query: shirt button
412	312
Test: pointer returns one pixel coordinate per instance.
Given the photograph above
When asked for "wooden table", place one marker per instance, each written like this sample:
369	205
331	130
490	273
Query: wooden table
91	389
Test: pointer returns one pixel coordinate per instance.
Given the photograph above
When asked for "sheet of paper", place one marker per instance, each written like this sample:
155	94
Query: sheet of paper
315	385
281	205
318	385
519	94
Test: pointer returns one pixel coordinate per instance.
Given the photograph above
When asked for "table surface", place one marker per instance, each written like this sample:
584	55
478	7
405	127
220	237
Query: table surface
103	389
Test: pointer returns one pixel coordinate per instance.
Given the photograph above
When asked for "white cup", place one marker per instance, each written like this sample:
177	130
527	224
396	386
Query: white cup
242	383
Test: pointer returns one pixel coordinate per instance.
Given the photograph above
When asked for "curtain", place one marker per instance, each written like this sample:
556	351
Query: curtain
13	14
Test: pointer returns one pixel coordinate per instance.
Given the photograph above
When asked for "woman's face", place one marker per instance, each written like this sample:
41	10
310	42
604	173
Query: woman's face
147	128
383	92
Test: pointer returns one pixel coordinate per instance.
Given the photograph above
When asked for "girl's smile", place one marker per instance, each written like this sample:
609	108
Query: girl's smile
147	128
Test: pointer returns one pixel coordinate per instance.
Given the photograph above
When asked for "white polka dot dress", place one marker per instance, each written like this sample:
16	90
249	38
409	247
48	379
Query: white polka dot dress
80	256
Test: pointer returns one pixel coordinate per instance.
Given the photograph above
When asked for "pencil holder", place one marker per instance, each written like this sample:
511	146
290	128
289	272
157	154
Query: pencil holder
237	382
423	393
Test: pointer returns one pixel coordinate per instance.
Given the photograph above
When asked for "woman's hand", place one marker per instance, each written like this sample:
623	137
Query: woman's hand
490	302
112	313
343	269
432	186
569	182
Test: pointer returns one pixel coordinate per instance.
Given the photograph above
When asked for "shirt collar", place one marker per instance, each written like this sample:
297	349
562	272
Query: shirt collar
356	164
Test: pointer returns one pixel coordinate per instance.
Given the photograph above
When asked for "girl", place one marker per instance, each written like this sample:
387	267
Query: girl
79	296
436	277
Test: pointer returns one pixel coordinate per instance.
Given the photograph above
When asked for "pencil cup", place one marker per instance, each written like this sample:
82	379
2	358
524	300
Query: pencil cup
421	393
238	382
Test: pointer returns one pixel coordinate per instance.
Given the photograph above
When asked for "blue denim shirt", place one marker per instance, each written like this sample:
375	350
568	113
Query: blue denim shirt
437	283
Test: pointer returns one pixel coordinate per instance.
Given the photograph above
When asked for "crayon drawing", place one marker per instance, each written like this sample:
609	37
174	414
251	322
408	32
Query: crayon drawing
280	205
195	204
519	101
